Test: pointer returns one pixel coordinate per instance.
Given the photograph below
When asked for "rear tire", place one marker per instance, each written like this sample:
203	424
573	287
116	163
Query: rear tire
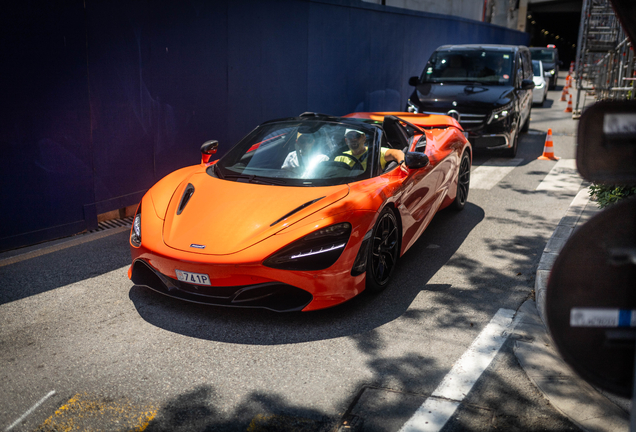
463	183
383	251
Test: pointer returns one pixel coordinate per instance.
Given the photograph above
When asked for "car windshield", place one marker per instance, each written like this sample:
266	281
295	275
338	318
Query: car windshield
545	55
536	68
306	152
474	66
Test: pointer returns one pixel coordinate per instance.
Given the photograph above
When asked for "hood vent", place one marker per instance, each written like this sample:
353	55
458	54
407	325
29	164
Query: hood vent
187	194
297	209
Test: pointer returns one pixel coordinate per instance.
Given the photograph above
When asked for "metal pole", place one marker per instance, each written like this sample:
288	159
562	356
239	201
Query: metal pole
578	68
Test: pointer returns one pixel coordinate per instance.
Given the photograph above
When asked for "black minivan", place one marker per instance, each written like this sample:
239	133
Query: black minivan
487	88
551	63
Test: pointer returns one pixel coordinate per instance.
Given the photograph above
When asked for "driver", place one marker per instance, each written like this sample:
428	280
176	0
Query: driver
306	155
355	140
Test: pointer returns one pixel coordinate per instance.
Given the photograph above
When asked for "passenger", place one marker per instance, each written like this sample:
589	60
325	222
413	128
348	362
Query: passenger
306	156
356	142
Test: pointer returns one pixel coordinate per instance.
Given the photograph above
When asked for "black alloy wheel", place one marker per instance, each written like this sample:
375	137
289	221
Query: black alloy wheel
384	251
463	182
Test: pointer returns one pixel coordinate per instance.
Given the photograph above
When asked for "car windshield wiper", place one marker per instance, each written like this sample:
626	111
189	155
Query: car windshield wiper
242	178
467	81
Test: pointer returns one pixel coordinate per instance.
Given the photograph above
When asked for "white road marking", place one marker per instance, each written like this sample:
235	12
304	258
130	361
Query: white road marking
489	174
562	177
29	411
441	405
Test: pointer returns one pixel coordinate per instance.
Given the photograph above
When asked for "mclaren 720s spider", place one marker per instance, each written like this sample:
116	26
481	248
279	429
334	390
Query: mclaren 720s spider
303	213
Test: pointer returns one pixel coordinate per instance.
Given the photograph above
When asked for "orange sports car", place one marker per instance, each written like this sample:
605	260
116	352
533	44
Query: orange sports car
303	213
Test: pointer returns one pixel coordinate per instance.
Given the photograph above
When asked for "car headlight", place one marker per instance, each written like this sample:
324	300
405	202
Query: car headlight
551	71
411	107
540	85
500	113
316	251
135	232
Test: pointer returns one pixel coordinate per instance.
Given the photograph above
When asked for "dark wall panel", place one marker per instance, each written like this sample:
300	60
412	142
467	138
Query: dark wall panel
267	62
46	170
103	98
158	89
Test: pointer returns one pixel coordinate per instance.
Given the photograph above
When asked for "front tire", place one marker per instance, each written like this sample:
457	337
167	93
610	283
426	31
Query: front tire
463	183
526	125
384	251
512	151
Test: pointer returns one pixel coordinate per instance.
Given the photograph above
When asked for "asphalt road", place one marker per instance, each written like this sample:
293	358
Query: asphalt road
81	348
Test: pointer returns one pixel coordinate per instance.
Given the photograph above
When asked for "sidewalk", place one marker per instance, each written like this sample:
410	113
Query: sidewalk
584	405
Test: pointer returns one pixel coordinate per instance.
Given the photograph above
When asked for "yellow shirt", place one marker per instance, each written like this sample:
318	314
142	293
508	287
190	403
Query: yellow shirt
362	158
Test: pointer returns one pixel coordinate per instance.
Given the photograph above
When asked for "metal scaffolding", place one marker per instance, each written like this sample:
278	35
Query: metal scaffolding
605	59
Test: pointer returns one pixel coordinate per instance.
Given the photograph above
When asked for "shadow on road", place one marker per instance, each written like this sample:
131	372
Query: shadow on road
64	267
360	315
498	401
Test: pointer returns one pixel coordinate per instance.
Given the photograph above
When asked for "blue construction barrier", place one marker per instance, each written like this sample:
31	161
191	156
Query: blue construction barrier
103	98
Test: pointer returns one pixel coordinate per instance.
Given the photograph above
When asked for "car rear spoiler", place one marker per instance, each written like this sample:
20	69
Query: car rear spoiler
421	120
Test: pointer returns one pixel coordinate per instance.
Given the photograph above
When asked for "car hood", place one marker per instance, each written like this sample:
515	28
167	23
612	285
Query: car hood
224	217
443	95
548	66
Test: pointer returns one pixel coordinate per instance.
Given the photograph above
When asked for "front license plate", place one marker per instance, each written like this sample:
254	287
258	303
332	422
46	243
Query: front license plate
193	278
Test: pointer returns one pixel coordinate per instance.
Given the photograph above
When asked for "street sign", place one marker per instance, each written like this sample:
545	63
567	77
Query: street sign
606	151
591	299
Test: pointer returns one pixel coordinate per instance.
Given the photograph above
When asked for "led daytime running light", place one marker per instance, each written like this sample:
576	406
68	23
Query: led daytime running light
500	113
135	232
137	225
332	248
315	251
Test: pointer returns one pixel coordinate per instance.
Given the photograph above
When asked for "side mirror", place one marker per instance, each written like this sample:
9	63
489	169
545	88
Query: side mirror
414	81
415	160
208	149
606	138
527	84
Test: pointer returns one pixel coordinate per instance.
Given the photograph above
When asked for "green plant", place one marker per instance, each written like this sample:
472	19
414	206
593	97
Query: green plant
610	194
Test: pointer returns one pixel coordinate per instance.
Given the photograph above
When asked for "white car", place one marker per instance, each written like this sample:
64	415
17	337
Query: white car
540	85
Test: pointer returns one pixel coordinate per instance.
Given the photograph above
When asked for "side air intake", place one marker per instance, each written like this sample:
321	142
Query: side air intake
187	194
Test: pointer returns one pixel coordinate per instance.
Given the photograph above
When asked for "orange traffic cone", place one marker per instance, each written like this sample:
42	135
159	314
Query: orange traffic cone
548	152
564	94
569	107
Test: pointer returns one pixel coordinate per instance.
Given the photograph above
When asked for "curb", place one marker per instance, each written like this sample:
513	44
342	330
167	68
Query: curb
578	212
104	229
580	402
584	405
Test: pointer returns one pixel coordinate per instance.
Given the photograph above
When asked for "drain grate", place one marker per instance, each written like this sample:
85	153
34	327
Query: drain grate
113	223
